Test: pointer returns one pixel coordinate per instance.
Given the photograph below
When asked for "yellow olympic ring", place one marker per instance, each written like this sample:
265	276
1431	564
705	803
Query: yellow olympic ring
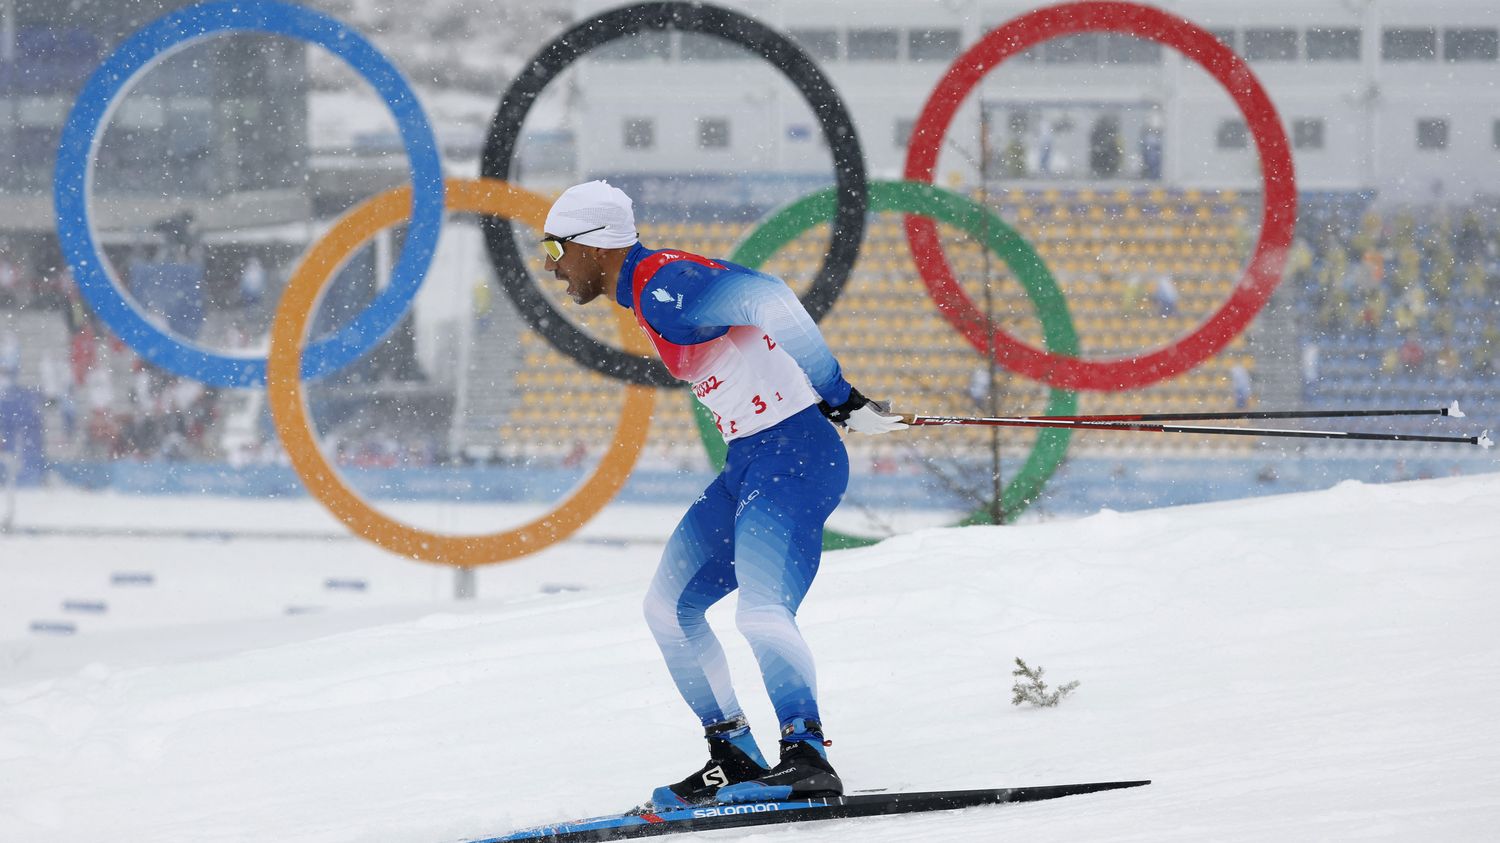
284	387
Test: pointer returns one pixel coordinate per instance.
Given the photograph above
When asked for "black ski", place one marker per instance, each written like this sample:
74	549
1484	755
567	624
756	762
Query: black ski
643	823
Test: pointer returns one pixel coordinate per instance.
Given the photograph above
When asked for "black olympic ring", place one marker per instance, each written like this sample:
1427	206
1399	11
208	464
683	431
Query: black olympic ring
853	190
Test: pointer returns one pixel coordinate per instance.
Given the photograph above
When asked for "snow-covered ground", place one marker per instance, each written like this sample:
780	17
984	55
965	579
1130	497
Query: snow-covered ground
1312	666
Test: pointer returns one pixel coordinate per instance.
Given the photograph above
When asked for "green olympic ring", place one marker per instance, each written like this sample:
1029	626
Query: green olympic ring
923	199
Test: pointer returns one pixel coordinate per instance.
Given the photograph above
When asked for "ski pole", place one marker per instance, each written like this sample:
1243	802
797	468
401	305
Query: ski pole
1482	440
1450	410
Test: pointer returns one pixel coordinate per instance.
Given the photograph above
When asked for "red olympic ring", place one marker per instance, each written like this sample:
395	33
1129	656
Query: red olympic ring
1263	272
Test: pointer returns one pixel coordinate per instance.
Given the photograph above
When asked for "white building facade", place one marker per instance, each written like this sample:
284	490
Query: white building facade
1397	97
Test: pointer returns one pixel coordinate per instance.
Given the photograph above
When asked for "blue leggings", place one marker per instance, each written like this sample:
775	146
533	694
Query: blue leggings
758	527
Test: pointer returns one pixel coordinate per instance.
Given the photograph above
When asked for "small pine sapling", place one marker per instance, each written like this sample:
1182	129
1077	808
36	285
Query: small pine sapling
1030	688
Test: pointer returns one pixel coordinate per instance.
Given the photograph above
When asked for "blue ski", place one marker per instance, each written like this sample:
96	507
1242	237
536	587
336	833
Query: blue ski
645	823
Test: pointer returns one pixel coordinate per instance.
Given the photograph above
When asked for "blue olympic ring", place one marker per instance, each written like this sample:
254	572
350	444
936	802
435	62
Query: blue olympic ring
91	111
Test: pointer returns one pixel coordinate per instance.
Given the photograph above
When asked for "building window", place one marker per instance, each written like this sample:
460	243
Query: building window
698	47
640	133
1072	49
874	44
1095	49
904	126
1128	49
1307	133
713	133
642	46
1495	134
1409	44
1232	134
821	44
932	44
1471	44
1271	44
1432	133
1333	44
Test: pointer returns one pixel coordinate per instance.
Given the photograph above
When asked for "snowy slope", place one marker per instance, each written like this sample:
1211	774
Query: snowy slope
1315	666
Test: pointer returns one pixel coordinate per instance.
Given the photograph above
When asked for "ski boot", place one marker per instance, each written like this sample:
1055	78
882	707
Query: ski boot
733	758
804	771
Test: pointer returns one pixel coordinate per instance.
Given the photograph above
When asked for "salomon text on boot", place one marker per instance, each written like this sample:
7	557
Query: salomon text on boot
733	758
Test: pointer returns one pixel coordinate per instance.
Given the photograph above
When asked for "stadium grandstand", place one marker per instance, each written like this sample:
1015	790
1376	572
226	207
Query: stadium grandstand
1127	168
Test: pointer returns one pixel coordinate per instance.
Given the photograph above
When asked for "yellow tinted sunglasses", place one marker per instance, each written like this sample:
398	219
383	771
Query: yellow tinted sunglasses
553	246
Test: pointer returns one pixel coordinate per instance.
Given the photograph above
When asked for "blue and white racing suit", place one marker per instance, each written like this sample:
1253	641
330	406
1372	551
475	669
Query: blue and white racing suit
758	362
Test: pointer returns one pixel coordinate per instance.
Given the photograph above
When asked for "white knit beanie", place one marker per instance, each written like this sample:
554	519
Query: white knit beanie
594	203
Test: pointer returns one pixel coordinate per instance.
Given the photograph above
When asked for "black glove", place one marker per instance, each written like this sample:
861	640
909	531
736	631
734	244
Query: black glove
861	415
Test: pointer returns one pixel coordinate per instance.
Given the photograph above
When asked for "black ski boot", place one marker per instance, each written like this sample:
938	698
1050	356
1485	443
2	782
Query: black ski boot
804	771
733	757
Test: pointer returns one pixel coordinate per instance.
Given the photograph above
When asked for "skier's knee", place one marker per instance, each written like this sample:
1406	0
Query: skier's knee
760	620
670	619
660	617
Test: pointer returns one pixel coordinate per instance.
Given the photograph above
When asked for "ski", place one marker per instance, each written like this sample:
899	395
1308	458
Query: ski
645	823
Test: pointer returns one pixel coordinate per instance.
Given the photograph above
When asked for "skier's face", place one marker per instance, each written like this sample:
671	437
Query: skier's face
578	266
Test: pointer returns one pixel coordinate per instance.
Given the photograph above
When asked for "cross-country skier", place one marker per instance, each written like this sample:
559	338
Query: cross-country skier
757	361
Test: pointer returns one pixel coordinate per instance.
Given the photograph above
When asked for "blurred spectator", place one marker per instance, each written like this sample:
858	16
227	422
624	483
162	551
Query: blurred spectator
1390	361
1332	307
1440	276
1310	353
252	283
1151	152
1044	149
82	353
1412	355
576	455
1443	322
1164	295
10	281
1133	292
52	289
57	392
1104	147
484	304
979	387
1374	268
1239	381
1446	361
1299	262
1469	244
1332	297
1411	310
10	354
1483	358
101	431
77	315
1358	280
1408	266
1474	281
1371	311
1013	158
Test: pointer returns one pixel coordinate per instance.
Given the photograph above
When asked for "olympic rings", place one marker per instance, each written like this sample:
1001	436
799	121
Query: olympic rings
1263	272
91	111
938	204
838	129
287	366
289	409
